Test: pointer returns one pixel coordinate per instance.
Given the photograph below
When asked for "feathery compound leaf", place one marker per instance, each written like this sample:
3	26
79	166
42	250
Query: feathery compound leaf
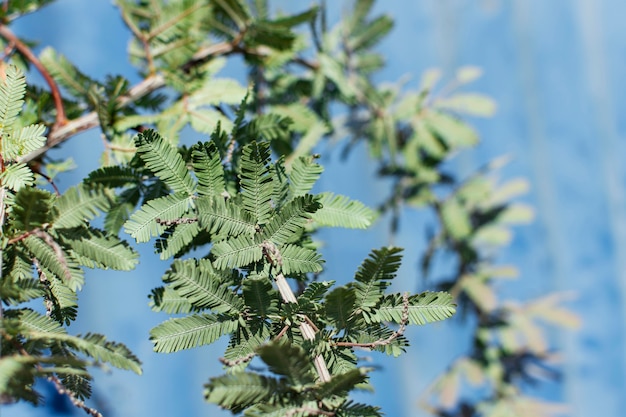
23	141
340	211
17	176
242	389
54	259
426	307
382	264
303	175
78	205
114	176
31	321
207	165
342	383
288	223
95	346
218	215
288	360
167	300
260	297
299	260
340	305
191	331
143	224
256	181
202	286
236	252
94	248
165	161
12	91
31	208
177	238
351	409
372	275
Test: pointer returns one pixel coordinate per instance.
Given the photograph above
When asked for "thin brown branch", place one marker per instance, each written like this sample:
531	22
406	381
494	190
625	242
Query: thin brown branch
6	33
238	361
75	400
90	120
184	220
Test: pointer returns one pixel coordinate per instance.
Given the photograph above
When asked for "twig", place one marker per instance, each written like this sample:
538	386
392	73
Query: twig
6	33
238	361
184	220
76	401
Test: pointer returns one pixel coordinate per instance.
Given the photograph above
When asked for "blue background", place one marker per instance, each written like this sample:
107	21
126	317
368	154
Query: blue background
556	69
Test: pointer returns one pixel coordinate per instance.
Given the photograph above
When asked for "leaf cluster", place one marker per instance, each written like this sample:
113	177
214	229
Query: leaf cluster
46	242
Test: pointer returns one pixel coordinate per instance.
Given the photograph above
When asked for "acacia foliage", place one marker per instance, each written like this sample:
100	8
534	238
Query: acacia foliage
238	213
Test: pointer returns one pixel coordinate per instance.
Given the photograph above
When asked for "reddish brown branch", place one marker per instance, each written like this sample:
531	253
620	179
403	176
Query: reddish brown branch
6	33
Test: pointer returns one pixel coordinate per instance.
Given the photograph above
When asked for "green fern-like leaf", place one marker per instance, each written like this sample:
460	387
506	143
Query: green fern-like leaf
303	175
371	279
299	260
260	297
143	223
207	165
56	260
340	211
341	384
191	331
166	163
23	141
236	252
240	390
288	360
168	300
114	176
78	205
288	223
340	306
426	307
17	176
93	248
352	409
174	240
256	181
31	208
12	92
219	215
202	286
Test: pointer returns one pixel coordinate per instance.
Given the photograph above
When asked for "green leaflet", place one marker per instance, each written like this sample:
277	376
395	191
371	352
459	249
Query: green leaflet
260	297
56	260
17	176
290	220
191	331
143	224
23	141
236	252
299	260
31	208
256	181
202	286
12	92
239	390
93	248
166	163
207	166
303	175
426	307
78	205
340	211
218	215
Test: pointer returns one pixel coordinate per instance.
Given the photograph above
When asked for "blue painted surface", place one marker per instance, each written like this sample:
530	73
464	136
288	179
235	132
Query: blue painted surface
556	69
